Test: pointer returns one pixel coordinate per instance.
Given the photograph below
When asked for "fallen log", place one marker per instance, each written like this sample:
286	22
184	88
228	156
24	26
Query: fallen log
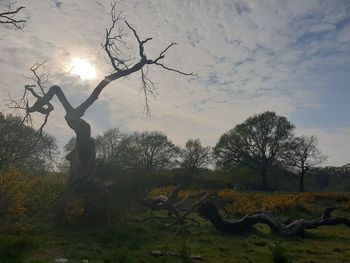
210	211
178	211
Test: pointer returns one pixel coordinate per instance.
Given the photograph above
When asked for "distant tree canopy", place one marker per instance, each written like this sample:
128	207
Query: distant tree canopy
258	142
150	151
110	152
22	147
264	145
118	153
195	157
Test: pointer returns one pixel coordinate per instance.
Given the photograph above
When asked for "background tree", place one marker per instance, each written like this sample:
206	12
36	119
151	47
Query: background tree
9	17
149	151
109	149
22	147
302	155
195	157
258	142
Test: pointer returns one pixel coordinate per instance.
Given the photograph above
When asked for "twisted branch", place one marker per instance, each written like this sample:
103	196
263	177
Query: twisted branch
9	17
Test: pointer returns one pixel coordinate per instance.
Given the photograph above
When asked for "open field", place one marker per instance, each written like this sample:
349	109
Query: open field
127	240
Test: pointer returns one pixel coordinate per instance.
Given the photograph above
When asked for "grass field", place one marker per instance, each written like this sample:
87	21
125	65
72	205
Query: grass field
126	240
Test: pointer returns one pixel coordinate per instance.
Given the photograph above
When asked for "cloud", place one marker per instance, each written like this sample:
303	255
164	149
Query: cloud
344	34
250	56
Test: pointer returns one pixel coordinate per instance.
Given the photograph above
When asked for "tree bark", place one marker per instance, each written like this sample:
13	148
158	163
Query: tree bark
263	172
209	211
301	181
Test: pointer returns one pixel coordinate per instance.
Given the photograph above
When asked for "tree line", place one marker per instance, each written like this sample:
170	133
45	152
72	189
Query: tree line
262	143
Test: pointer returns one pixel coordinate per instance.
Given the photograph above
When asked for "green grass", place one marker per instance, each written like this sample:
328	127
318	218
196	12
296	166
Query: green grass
133	242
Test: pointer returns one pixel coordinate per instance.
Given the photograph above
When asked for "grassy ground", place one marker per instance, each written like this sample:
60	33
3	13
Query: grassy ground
128	241
132	242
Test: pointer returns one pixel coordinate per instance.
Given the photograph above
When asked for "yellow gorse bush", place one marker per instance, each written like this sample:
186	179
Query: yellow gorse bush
15	196
49	190
243	203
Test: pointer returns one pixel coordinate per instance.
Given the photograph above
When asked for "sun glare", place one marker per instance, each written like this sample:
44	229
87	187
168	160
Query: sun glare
83	68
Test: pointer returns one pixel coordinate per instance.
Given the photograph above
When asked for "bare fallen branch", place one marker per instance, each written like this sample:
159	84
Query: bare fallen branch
177	211
209	211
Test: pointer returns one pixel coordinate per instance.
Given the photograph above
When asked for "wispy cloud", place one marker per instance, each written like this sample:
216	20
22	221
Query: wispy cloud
250	56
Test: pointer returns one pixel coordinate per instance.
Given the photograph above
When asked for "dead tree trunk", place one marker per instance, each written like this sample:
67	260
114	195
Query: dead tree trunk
209	211
82	158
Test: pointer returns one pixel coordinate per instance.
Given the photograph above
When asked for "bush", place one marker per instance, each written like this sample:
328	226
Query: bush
15	196
278	253
49	190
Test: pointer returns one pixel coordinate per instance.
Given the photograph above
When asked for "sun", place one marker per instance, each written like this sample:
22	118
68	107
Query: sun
83	68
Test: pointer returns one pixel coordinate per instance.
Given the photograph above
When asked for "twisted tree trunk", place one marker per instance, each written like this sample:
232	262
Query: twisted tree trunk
82	181
209	211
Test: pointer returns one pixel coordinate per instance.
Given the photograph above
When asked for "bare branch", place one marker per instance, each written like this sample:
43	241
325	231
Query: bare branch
175	70
147	88
9	18
174	207
111	41
141	43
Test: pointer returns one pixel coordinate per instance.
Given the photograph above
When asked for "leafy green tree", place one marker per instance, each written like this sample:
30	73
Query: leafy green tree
22	147
258	142
195	157
302	155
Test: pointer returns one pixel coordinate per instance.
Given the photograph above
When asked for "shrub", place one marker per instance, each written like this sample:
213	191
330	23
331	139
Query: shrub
15	196
243	203
49	190
278	253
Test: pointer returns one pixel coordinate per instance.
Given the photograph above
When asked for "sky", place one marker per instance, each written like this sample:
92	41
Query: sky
291	57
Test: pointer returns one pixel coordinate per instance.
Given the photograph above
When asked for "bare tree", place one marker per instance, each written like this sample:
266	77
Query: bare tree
82	157
303	155
108	145
195	156
109	152
9	17
149	151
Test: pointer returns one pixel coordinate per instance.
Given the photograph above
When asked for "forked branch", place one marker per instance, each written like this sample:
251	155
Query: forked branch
178	210
9	17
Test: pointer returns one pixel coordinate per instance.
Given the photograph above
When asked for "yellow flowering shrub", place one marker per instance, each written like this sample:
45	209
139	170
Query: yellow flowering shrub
75	211
346	205
167	190
49	190
243	203
15	195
